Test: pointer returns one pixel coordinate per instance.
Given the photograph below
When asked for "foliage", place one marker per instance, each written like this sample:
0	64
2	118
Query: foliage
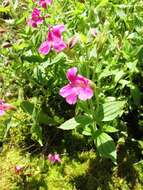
104	41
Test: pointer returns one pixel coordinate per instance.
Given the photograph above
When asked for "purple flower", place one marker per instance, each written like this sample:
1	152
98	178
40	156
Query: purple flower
35	18
44	3
78	87
54	40
54	158
4	106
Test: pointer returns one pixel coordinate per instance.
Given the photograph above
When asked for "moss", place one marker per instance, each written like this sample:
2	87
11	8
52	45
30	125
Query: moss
83	170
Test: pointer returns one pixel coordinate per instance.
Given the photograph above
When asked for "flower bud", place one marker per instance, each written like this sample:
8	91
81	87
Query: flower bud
6	45
73	41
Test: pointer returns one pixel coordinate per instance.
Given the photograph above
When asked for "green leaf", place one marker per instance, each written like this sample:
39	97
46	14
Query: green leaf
84	119
106	73
69	124
75	122
27	107
110	110
132	66
124	82
109	129
43	118
36	132
4	9
2	132
118	76
102	3
105	145
32	58
87	131
60	58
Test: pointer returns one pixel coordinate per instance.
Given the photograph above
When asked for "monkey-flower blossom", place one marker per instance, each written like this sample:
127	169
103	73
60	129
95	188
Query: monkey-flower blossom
54	158
35	18
78	87
4	106
54	40
44	3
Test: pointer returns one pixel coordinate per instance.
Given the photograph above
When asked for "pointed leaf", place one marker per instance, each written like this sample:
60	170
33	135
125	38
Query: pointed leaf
105	145
69	124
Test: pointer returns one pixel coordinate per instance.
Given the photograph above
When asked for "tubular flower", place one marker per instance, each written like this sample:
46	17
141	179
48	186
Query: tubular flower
54	158
44	3
4	107
54	40
78	87
35	18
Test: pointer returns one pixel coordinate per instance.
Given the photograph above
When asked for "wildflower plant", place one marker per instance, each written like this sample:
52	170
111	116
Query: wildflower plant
102	66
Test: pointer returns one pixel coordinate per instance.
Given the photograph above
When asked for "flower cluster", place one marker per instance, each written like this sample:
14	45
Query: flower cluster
54	38
79	86
36	16
53	158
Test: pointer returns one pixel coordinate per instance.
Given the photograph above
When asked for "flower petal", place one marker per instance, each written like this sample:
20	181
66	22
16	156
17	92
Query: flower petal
39	20
82	79
66	91
51	158
8	107
43	4
44	48
71	74
58	29
49	2
32	23
36	13
2	112
71	99
85	93
57	158
1	101
59	46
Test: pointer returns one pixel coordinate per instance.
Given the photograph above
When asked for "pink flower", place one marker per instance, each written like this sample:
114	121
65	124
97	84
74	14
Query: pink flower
18	169
44	3
78	87
35	18
4	107
54	40
54	158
